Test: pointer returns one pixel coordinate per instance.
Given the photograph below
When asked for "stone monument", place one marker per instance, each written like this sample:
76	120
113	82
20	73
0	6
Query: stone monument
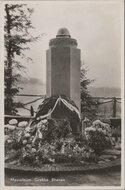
63	67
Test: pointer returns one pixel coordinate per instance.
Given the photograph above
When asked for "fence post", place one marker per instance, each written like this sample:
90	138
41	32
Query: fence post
114	107
31	111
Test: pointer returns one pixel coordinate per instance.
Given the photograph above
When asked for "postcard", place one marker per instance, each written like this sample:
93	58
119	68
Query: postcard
62	94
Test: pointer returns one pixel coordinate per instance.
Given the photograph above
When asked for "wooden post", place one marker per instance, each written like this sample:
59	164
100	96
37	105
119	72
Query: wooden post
31	111
114	107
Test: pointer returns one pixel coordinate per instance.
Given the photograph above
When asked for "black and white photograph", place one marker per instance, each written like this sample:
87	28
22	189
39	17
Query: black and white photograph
63	94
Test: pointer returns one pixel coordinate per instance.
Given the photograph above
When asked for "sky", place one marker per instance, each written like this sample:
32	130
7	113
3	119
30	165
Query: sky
97	27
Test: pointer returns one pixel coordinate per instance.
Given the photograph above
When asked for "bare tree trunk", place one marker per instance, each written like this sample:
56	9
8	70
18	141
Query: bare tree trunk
8	93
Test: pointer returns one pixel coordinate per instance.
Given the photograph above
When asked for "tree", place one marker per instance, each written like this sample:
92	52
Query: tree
89	105
16	37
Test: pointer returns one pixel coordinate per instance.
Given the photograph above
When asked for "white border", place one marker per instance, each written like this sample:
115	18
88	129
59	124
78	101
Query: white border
2	102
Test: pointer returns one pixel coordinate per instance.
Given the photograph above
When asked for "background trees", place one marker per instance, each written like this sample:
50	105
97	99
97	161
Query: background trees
16	37
89	106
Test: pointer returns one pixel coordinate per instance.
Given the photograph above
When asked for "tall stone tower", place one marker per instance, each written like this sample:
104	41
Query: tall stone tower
63	67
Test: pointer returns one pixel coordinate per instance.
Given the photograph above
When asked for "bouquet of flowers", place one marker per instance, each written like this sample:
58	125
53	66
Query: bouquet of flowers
98	136
50	141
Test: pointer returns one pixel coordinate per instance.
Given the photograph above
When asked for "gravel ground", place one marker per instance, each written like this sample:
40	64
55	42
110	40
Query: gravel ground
111	178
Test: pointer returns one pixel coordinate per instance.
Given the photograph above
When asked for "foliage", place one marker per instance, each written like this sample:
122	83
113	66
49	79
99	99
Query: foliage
50	141
16	37
48	104
98	136
47	141
57	130
89	106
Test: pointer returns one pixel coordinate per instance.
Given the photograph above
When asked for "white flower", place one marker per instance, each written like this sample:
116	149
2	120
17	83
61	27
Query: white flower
104	132
6	126
97	122
38	126
87	129
13	122
90	129
51	160
11	127
38	118
27	129
24	141
44	121
33	150
9	141
100	130
22	124
27	135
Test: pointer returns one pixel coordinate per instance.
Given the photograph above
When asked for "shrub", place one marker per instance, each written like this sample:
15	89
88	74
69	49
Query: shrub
98	136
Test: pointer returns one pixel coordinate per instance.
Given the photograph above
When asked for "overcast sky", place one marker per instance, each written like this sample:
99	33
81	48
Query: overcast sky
96	25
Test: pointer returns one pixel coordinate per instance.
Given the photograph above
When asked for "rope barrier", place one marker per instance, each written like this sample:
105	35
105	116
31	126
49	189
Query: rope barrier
32	101
104	98
118	101
66	103
42	98
32	95
27	109
105	102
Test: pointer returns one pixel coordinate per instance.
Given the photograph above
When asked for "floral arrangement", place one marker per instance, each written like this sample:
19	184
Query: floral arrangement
50	141
98	136
37	143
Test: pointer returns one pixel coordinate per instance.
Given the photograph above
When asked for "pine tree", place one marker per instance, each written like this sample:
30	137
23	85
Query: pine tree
89	106
16	37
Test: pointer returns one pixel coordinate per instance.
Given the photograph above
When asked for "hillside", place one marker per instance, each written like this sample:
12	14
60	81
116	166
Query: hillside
36	86
33	86
105	92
